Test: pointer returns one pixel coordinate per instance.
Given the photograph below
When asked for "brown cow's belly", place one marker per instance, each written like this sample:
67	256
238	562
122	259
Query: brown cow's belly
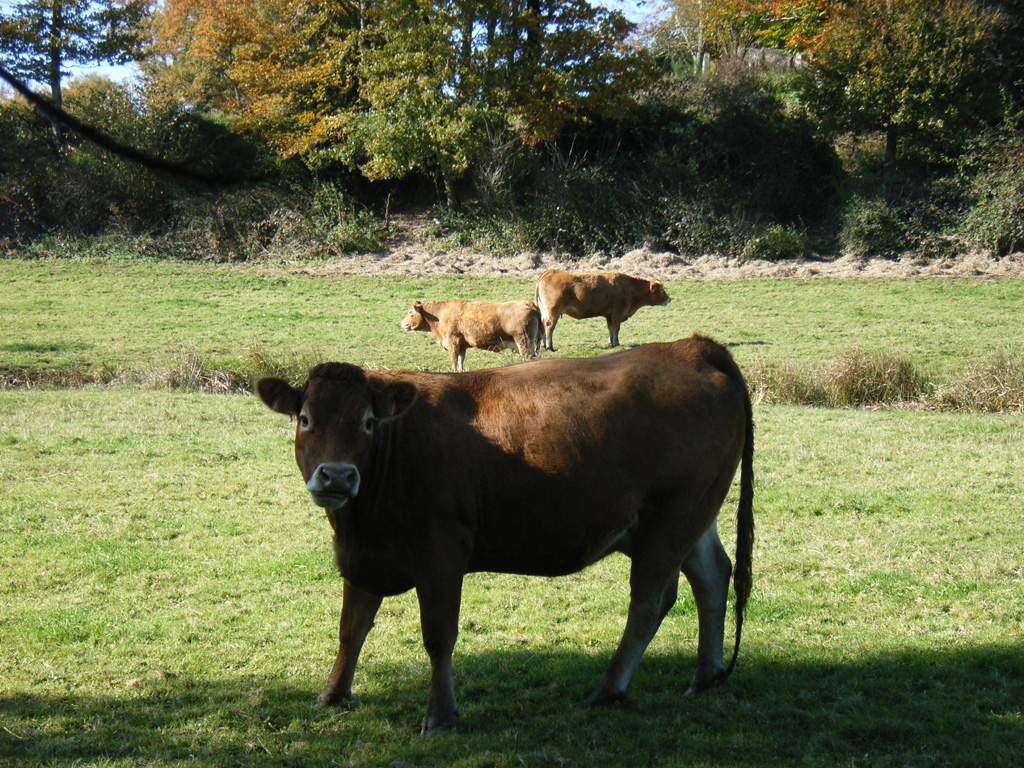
538	560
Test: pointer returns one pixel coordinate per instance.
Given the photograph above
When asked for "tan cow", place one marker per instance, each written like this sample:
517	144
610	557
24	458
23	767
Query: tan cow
458	324
539	469
611	295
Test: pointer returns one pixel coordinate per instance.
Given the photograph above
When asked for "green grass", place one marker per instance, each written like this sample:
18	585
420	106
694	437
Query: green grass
101	318
169	599
168	595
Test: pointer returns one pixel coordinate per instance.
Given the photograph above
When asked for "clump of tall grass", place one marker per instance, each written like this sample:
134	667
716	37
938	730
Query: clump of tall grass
862	379
193	372
190	372
293	367
784	384
75	377
857	379
994	386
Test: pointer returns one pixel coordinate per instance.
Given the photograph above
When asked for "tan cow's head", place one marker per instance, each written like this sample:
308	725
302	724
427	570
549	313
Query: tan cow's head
414	319
338	413
658	296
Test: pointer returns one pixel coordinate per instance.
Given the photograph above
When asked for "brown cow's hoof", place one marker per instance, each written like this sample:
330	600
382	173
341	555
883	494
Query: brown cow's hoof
702	683
331	698
432	724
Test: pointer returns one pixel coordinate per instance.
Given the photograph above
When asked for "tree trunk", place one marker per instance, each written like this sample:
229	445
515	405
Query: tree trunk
891	138
56	59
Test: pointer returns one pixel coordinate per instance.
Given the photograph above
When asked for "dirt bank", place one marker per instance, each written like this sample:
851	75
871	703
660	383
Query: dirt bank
664	266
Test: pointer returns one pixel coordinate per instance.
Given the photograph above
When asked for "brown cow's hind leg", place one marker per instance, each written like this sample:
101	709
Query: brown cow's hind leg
358	609
549	322
652	594
707	568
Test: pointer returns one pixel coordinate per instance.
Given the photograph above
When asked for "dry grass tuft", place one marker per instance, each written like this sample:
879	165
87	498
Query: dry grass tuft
995	386
857	379
862	379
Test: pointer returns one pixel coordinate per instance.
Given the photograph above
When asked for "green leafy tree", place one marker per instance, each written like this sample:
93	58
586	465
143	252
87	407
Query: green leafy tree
39	39
436	78
921	71
393	87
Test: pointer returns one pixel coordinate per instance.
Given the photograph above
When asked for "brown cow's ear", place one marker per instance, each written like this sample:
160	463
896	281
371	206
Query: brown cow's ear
279	396
393	400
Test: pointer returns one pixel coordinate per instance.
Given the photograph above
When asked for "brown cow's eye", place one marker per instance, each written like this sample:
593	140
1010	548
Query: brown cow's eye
303	421
371	424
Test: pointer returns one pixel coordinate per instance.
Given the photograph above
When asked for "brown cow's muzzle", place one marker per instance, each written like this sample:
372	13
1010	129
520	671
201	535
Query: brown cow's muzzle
333	484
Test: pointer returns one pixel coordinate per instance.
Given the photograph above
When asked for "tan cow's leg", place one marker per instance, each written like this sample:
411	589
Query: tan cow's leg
549	322
613	331
439	600
708	568
358	609
527	350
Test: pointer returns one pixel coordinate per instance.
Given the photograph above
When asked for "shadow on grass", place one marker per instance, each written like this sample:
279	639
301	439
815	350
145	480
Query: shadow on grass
963	707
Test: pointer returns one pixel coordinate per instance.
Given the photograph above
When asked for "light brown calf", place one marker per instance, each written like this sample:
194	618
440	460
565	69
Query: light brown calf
458	324
611	295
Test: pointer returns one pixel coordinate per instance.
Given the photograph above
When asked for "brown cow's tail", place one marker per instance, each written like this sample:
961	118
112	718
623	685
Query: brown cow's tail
743	575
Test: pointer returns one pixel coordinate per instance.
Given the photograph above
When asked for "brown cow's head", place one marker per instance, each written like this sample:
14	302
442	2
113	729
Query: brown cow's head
338	411
414	319
658	296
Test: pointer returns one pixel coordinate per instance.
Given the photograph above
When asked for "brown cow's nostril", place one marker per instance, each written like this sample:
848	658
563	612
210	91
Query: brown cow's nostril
336	479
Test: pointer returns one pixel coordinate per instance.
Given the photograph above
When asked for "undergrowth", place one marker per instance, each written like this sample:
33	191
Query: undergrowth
856	379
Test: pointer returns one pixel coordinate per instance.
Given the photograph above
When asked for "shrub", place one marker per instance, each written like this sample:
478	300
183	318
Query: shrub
873	227
996	217
776	243
693	227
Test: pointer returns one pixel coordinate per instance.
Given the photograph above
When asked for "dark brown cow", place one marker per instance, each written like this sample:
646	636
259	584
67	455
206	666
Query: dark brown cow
458	324
531	469
581	295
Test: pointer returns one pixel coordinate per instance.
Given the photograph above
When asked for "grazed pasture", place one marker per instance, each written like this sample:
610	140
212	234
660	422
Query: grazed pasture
169	599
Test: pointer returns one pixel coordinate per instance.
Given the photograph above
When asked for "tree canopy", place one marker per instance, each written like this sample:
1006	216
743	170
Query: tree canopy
39	39
919	70
393	86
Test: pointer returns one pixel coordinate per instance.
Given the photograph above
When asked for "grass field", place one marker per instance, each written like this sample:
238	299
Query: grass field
169	597
144	316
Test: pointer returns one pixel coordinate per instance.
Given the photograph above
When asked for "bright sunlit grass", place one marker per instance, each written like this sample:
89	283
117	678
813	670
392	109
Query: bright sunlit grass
169	599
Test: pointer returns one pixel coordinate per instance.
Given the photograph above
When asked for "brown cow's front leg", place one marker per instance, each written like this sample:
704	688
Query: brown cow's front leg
358	609
439	599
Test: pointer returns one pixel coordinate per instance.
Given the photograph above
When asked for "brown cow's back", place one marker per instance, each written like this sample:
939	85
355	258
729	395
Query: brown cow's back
528	442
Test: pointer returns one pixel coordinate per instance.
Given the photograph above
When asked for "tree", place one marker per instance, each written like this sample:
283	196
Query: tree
40	38
695	31
393	87
919	70
438	78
